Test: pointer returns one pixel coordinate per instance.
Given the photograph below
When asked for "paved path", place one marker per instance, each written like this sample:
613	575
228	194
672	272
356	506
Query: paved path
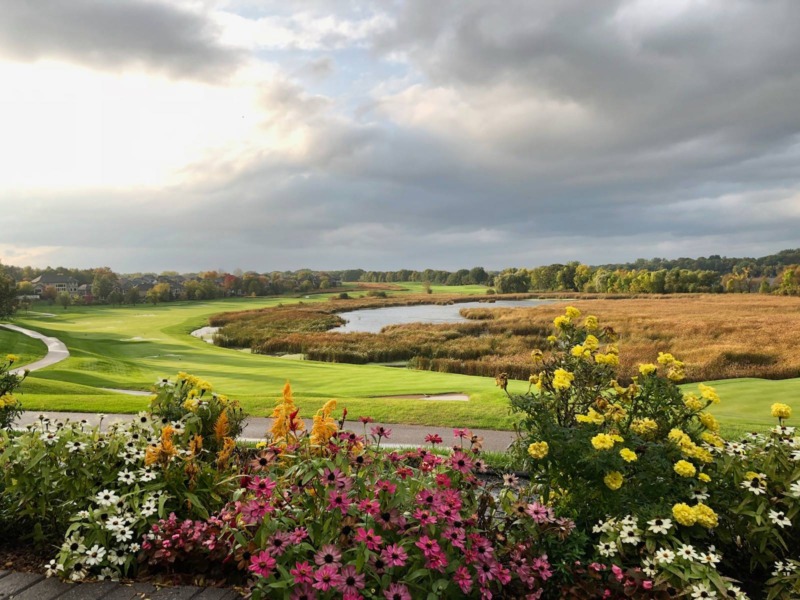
33	586
56	349
256	427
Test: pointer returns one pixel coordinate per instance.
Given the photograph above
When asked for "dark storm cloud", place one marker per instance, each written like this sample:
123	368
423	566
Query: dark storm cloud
113	35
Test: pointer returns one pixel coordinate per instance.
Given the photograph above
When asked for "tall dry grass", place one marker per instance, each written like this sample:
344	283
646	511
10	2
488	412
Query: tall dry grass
717	336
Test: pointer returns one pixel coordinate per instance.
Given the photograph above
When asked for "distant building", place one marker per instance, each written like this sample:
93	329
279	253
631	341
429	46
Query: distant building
62	283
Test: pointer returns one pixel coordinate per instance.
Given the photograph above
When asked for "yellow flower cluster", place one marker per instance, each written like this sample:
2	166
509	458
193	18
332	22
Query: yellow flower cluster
708	393
285	415
688	447
562	379
689	515
12	358
712	439
704	477
572	312
628	455
537	356
665	358
685	468
676	368
610	359
613	480
593	417
709	422
692	402
591	323
603	441
538	450
191	404
580	351
561	322
324	427
647	369
7	401
646	427
781	411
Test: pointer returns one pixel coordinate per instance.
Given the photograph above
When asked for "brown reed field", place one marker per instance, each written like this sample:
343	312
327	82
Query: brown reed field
717	336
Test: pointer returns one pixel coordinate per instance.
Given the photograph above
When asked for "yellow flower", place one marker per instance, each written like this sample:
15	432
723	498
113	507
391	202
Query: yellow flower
12	358
644	427
561	322
537	356
603	441
705	516
692	402
591	343
191	404
712	439
684	514
261	444
665	358
676	372
647	369
578	351
613	480
562	379
551	339
781	411
203	386
616	413
591	322
617	438
709	422
7	401
592	416
704	477
628	455
572	312
708	392
685	469
612	349
609	359
538	450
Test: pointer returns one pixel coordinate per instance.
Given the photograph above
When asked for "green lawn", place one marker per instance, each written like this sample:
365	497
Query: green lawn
27	349
132	347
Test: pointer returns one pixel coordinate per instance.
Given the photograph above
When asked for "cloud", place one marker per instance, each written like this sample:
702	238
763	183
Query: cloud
155	36
504	134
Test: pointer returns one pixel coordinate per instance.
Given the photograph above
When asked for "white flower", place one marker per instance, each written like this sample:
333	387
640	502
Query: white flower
700	495
142	419
687	552
779	518
123	535
74	544
76	446
82	514
607	549
660	525
755	485
736	593
54	568
115	558
125	477
147	474
795	455
699	591
794	489
629	521
108	574
647	568
629	535
710	557
178	427
78	572
604	526
783	430
134	547
664	556
784	569
106	498
94	556
115	523
49	438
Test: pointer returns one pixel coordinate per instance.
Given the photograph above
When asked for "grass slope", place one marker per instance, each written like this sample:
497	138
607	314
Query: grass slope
27	349
131	347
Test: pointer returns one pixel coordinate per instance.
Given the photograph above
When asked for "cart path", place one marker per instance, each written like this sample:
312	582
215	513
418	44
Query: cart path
56	349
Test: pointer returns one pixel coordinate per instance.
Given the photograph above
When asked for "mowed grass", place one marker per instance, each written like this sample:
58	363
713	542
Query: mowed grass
131	347
27	349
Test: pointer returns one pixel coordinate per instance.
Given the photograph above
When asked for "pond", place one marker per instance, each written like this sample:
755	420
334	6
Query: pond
372	320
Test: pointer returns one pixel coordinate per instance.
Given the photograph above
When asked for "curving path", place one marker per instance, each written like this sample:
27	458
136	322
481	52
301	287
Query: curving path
56	349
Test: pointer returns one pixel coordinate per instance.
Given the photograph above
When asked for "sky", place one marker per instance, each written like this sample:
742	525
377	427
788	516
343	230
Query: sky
268	135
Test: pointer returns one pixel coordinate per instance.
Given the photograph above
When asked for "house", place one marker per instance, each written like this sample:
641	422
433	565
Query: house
62	283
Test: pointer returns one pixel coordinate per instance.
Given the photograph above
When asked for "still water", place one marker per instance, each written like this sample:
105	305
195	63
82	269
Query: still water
372	320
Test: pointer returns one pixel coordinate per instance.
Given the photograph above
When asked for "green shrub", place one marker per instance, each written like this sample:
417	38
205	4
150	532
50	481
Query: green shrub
10	407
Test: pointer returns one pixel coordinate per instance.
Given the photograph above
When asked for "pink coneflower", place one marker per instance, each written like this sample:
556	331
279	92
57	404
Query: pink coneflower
539	513
463	579
350	581
298	535
426	497
380	431
368	537
326	577
339	500
461	462
433	438
303	592
328	555
302	573
262	564
366	420
262	486
424	517
369	507
254	510
404	472
456	536
335	479
397	591
279	542
394	556
442	480
386	486
428	546
461	433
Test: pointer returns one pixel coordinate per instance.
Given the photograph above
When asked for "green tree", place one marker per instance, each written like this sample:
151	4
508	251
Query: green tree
64	299
8	296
